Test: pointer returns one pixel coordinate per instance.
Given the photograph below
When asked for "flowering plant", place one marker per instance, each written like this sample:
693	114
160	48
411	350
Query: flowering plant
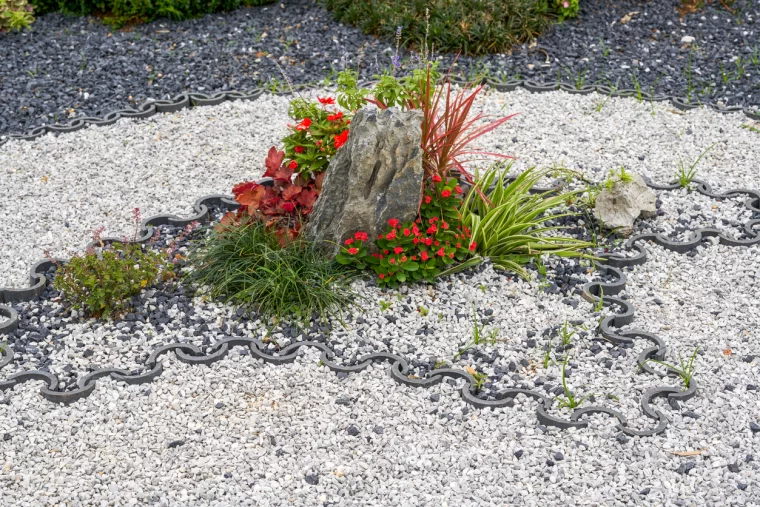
566	9
417	250
317	136
281	204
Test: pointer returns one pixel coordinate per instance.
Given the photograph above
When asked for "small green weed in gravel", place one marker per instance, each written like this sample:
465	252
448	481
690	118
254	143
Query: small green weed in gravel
685	368
569	400
686	175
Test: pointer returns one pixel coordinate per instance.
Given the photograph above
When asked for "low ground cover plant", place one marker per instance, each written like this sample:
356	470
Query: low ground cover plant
15	15
122	12
102	281
470	27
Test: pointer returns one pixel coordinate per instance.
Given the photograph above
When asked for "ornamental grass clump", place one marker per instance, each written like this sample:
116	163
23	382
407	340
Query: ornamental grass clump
508	222
246	265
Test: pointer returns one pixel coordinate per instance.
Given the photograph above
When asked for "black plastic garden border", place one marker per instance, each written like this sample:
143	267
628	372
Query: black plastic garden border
399	369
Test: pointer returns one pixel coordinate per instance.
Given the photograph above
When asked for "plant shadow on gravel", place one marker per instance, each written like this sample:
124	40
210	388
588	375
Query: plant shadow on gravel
245	265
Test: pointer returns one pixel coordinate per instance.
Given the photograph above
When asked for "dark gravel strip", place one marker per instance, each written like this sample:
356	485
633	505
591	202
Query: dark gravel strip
70	67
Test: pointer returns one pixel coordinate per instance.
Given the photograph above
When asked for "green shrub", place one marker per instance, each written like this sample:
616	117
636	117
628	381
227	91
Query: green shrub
102	284
472	27
245	265
508	222
121	12
15	15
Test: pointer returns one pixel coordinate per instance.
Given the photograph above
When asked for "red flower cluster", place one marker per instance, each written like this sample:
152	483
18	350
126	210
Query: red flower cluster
406	252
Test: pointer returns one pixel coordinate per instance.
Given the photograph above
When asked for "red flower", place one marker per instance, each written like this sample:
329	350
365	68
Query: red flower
437	243
436	178
415	241
340	139
441	253
398	250
459	245
473	246
326	100
414	257
446	193
361	236
304	125
393	222
424	256
299	149
392	261
458	189
427	199
381	276
451	255
391	235
375	255
432	229
428	241
353	251
334	117
407	232
293	164
288	206
444	225
348	241
403	259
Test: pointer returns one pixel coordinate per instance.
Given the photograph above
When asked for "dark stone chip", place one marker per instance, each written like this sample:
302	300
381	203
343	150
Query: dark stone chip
644	491
353	431
733	467
379	430
312	479
685	468
754	427
176	443
558	456
741	485
435	397
518	453
622	438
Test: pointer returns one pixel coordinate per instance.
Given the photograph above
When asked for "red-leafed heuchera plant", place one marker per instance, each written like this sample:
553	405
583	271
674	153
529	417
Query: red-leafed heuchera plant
297	173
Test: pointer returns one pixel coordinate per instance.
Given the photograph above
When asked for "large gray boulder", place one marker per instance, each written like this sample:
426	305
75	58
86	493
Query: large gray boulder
617	207
377	175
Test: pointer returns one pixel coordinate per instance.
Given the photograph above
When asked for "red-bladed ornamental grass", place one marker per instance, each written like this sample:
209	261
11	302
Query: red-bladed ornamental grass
449	130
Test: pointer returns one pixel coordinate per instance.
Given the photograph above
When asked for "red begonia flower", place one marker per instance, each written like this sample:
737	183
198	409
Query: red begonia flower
299	149
304	125
326	100
353	251
398	250
340	139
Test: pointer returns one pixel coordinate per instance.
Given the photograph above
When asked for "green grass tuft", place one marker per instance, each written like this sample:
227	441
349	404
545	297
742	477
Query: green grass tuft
244	265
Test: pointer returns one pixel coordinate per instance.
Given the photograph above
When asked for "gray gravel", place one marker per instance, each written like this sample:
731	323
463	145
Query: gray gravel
245	433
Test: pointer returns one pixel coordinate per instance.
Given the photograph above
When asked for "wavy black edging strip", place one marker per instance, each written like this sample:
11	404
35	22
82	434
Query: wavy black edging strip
399	369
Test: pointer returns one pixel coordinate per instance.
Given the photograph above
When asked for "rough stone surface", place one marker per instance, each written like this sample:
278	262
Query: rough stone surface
619	206
376	176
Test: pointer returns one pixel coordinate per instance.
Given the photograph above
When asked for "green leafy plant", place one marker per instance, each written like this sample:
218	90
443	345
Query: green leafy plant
686	175
245	264
384	305
102	281
15	15
423	311
751	128
569	400
507	222
685	368
566	335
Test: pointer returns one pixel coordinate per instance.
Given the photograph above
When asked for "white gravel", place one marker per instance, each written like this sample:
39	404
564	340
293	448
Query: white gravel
256	434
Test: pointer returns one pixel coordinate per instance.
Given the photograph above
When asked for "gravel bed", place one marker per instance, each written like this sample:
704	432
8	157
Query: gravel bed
162	164
71	66
300	434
